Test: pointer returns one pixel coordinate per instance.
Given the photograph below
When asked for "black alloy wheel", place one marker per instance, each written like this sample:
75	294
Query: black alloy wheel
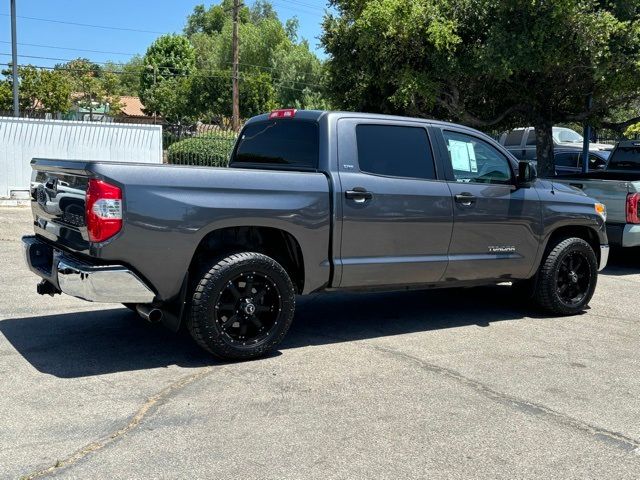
248	308
574	278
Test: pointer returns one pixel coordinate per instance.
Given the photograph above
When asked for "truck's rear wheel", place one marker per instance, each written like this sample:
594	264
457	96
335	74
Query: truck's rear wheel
567	277
242	306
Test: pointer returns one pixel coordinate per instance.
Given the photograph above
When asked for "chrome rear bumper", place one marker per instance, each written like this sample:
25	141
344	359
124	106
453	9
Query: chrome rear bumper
604	257
95	283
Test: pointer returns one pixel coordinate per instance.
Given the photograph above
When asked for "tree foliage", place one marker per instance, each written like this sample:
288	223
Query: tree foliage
127	75
276	69
486	63
169	57
92	87
40	90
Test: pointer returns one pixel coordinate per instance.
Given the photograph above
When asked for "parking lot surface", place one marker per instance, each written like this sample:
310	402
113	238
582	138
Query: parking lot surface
423	384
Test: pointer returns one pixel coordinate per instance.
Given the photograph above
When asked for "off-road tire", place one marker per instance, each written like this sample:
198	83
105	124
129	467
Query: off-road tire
201	320
546	294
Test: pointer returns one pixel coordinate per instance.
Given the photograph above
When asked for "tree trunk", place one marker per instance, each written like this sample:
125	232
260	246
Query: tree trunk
544	149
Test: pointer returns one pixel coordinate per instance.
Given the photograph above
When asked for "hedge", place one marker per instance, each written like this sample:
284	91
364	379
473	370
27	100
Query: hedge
209	149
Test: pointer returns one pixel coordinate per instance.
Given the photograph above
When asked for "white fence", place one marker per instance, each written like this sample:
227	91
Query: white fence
22	139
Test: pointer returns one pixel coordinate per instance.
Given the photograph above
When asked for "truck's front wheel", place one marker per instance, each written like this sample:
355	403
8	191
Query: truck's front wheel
567	277
242	306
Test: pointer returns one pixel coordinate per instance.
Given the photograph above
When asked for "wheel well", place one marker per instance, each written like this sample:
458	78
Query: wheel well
585	233
273	242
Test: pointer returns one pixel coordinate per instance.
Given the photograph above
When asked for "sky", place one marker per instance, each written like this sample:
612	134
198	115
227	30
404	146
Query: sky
140	23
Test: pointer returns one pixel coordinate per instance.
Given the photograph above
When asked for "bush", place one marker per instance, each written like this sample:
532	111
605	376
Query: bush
209	149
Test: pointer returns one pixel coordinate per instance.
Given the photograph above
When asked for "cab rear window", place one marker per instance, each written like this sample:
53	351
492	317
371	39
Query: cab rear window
290	144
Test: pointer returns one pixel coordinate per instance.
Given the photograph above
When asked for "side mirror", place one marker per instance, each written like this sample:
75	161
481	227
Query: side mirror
526	174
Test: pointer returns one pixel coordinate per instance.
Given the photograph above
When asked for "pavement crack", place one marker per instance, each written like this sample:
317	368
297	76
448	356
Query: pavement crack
137	418
616	439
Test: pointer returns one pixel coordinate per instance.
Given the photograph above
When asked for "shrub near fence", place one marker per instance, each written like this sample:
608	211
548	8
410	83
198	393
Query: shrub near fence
211	149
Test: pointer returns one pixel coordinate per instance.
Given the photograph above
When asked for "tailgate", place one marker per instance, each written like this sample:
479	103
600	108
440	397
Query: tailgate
613	193
58	189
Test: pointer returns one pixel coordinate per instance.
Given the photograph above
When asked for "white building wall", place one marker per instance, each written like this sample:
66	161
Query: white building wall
22	139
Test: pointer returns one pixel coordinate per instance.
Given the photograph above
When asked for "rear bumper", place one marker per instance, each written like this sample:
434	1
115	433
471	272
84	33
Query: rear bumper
624	234
94	283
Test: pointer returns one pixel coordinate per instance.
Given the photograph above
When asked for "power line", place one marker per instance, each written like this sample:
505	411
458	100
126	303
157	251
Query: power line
302	4
298	9
208	74
140	69
77	24
107	53
55	47
55	59
291	4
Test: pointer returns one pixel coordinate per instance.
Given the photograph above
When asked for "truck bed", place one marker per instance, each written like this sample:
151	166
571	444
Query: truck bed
169	209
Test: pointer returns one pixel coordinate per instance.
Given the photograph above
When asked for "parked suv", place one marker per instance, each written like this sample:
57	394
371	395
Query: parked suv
313	201
521	142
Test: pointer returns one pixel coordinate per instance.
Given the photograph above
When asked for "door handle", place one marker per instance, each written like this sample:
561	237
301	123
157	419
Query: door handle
465	199
358	194
577	185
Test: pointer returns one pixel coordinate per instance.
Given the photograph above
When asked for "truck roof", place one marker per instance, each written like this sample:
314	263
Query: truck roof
316	115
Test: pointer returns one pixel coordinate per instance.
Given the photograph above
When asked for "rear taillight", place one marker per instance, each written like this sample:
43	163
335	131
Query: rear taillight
103	210
632	207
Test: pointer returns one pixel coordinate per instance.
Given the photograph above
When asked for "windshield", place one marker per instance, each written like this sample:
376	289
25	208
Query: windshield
566	135
625	158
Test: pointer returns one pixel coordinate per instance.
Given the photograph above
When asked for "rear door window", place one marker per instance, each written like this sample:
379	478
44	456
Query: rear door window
289	144
395	151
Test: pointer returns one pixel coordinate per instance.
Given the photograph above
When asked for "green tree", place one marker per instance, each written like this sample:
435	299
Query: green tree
169	57
210	21
172	99
6	96
54	92
41	90
92	86
211	95
270	55
486	63
126	76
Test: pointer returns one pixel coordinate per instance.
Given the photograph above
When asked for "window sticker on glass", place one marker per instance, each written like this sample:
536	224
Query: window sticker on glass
461	156
472	158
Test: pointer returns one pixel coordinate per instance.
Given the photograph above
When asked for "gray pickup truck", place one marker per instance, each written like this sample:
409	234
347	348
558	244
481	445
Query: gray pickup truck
313	201
618	187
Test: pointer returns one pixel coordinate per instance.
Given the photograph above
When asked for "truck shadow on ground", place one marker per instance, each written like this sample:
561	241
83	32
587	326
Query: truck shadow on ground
99	342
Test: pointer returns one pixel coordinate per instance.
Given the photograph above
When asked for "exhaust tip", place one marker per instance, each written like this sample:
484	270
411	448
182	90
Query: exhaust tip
149	313
155	315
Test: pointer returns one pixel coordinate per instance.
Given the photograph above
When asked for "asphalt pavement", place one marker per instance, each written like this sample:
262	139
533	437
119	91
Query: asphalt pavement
427	384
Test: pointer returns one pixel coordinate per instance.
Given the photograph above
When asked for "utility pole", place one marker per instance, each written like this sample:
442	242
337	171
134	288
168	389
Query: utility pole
14	60
235	116
586	137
